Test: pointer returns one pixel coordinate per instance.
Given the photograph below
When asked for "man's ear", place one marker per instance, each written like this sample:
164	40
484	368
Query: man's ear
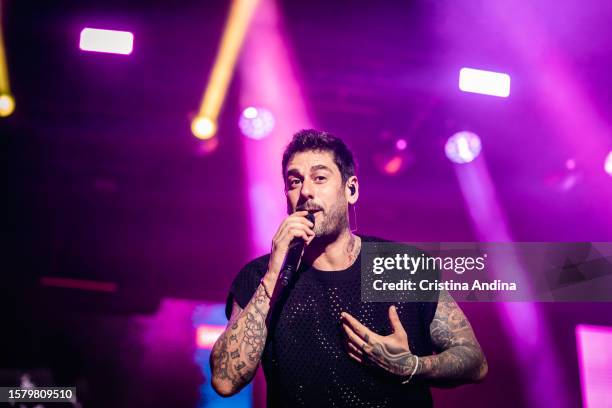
352	190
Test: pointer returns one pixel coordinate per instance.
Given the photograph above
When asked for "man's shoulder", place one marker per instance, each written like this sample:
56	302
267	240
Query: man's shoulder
390	245
258	265
372	238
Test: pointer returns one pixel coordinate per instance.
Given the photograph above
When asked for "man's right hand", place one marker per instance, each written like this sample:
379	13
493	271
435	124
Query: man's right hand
294	226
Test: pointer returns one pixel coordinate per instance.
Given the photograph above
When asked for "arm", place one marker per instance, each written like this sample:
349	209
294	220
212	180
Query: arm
460	360
237	352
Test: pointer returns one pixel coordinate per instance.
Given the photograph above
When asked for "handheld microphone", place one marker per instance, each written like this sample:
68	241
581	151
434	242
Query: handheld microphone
292	259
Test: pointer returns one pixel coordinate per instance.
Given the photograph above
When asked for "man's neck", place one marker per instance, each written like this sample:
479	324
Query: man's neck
333	253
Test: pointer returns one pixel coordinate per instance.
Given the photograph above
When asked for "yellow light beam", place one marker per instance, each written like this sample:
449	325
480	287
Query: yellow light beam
204	126
7	102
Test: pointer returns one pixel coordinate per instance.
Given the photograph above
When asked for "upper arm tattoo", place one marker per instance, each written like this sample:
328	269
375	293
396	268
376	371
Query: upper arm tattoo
450	327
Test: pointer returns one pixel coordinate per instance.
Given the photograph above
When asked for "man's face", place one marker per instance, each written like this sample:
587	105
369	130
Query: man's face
313	182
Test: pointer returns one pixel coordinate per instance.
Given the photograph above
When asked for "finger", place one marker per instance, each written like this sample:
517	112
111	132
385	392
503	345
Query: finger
290	222
301	225
396	324
291	229
300	216
354	349
310	238
356	326
356	341
299	233
293	217
356	358
301	213
301	219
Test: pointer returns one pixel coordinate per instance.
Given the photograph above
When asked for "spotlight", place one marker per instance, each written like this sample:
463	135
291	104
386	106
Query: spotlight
392	155
203	128
256	123
207	335
394	165
462	147
7	105
240	15
608	163
484	82
108	41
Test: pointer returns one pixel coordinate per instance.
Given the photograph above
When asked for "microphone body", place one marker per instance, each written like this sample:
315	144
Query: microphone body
292	259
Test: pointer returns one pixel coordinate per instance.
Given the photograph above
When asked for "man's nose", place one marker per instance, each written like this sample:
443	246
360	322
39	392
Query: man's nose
307	190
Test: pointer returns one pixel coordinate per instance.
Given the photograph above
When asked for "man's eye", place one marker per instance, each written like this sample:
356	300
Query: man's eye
320	178
294	182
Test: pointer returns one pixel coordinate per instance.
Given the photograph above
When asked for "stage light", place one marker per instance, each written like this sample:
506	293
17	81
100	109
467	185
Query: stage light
203	128
256	123
7	105
7	102
207	335
608	163
393	165
241	13
484	82
595	364
107	41
401	144
463	147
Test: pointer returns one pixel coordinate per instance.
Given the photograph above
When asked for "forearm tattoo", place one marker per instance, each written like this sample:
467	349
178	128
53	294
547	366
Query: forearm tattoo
460	357
238	350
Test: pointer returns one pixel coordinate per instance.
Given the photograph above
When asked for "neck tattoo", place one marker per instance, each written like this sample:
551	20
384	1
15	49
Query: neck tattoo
353	248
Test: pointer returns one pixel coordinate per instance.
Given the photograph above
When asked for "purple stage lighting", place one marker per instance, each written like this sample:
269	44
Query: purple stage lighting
256	123
108	41
463	147
595	362
484	82
608	163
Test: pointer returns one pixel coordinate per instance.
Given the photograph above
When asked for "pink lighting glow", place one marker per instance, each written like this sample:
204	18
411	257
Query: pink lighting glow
108	41
256	123
207	334
595	361
463	147
608	164
484	82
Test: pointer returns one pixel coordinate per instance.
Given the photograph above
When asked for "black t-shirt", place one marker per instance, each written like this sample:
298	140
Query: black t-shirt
304	361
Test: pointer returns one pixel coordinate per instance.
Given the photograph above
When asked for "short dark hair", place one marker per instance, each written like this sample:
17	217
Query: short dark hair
316	140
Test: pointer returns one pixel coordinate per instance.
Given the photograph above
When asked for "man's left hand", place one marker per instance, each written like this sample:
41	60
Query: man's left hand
392	352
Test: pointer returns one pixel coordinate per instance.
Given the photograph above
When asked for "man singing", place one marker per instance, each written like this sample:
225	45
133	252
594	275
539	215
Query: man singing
320	346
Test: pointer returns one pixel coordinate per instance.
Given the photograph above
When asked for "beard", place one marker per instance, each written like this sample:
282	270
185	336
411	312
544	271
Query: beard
335	220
